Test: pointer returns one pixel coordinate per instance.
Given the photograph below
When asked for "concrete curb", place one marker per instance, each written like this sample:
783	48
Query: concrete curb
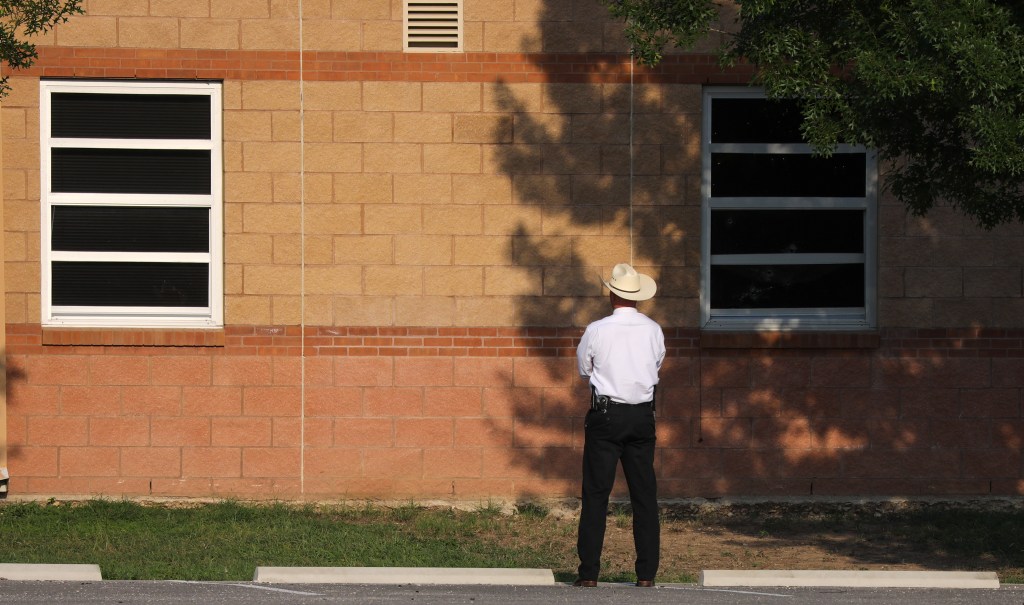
403	575
850	579
50	572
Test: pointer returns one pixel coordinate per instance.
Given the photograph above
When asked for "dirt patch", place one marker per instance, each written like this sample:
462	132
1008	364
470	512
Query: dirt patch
962	536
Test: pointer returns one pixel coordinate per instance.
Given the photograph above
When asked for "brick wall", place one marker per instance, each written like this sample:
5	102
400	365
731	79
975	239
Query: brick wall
527	26
942	271
411	250
474	413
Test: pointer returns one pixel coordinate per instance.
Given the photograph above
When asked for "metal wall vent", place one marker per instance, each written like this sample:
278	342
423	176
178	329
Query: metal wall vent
433	26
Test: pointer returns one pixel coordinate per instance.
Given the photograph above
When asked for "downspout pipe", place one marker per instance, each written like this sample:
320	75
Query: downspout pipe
4	474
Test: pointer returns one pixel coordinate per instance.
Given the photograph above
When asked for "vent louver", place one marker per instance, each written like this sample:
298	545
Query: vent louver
433	26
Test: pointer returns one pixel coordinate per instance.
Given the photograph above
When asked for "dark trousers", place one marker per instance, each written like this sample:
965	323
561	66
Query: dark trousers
625	433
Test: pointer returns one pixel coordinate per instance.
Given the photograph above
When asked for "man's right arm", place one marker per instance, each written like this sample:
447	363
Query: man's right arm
584	360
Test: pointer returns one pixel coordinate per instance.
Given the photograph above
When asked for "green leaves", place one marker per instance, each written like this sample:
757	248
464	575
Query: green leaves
935	86
21	19
651	25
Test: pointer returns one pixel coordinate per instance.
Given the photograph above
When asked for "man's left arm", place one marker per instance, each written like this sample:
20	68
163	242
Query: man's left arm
660	356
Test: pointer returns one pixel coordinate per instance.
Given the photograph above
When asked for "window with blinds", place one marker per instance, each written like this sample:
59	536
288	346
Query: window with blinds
433	26
132	203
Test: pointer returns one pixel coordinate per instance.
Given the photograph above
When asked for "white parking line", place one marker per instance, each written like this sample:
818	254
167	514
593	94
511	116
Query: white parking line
750	592
272	589
256	587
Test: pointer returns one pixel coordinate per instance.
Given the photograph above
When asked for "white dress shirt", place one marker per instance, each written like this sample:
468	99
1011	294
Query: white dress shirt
622	354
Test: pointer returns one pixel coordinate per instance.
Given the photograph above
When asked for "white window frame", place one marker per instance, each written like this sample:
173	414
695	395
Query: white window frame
211	316
783	319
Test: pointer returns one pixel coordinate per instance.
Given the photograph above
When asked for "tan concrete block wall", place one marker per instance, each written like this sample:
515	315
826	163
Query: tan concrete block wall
459	220
382	36
519	179
392	96
452	96
476	311
963	280
392	158
91	30
966	284
423	127
332	35
171	8
461	200
332	96
363	188
942	271
423	189
240	9
148	32
482	189
425	311
19	112
362	127
456	158
118	8
443	281
423	250
210	33
350	25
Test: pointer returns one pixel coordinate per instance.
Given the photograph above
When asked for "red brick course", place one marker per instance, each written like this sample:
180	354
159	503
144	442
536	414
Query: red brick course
912	416
583	68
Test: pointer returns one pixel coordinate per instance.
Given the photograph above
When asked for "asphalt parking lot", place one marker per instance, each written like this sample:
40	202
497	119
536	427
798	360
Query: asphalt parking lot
214	593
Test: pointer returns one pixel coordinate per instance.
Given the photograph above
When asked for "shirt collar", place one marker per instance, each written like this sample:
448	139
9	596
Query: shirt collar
624	310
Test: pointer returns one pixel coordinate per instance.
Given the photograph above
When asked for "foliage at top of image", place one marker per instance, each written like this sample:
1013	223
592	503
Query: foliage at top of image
936	87
23	19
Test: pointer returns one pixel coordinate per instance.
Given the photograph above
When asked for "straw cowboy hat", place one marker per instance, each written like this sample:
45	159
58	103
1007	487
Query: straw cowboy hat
628	284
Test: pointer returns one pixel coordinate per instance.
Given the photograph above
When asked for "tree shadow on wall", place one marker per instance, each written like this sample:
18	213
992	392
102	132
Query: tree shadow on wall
603	171
13	374
605	167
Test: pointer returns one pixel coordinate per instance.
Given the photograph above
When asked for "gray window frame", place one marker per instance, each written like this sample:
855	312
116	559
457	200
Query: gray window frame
784	319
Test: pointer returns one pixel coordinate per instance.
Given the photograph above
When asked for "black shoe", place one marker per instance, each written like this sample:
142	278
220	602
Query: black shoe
645	583
585	583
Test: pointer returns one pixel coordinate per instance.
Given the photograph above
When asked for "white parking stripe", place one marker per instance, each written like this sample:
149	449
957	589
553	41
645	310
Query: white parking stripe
256	587
760	594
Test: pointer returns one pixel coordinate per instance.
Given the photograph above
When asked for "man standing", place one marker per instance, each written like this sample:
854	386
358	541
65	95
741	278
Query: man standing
621	355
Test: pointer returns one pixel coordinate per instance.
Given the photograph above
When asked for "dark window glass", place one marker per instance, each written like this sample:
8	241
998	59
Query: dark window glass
787	286
786	231
128	116
130	229
755	121
131	284
787	175
168	171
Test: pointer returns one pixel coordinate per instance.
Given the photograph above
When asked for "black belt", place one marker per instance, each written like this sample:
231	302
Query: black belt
601	403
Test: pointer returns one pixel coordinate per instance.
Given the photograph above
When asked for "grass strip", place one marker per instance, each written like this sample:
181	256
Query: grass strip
228	540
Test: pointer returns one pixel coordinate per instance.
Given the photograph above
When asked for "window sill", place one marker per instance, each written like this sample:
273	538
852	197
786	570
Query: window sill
868	339
133	337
